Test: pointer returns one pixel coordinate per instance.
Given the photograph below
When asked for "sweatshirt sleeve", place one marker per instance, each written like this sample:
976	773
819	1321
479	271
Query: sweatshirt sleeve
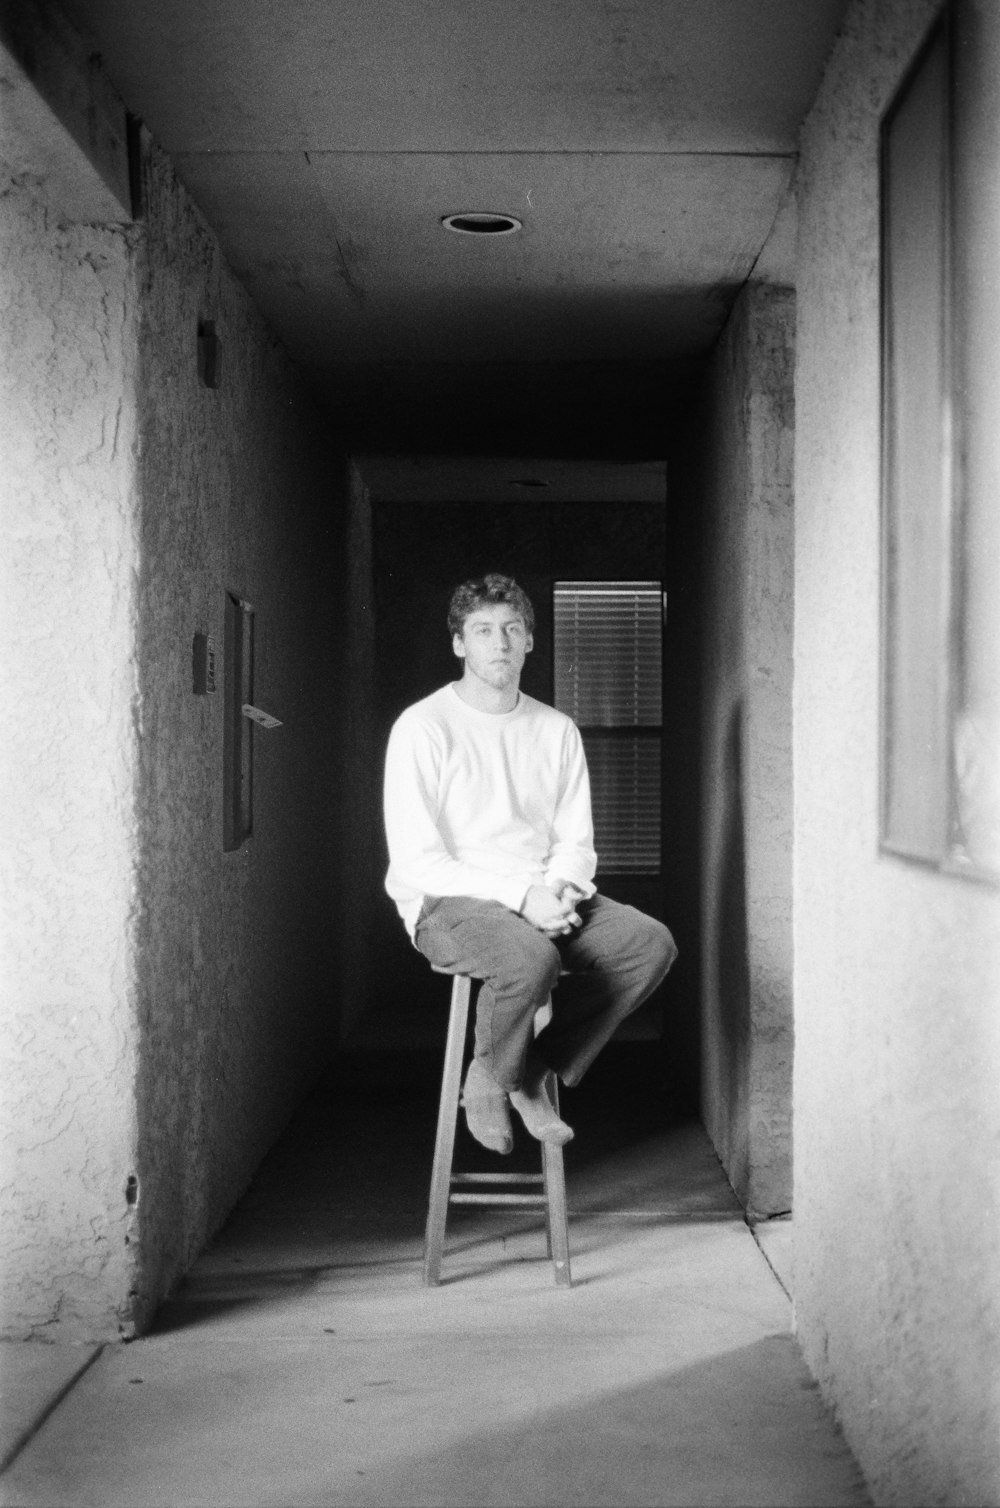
419	861
571	855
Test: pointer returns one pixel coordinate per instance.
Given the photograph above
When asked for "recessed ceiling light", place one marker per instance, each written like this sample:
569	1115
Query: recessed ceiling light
481	223
526	481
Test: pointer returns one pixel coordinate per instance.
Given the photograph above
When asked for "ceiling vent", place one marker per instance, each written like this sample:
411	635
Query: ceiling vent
481	223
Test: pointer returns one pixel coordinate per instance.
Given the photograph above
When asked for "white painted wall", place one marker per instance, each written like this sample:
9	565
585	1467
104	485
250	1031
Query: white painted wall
747	701
897	968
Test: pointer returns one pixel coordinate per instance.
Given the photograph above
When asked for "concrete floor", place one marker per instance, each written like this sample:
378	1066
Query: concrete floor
303	1363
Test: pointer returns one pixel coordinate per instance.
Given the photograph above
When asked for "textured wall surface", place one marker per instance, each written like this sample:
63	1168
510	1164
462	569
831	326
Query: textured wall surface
70	553
746	902
240	491
897	1115
167	1003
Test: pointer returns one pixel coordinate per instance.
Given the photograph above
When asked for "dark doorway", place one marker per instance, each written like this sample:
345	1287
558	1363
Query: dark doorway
420	552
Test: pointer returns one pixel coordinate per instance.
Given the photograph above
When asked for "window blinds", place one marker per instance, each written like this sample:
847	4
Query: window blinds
608	678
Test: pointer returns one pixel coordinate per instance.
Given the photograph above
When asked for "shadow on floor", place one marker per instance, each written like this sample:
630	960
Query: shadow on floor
303	1364
731	1411
348	1181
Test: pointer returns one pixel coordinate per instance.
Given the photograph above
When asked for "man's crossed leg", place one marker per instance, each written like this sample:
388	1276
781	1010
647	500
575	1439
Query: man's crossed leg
613	962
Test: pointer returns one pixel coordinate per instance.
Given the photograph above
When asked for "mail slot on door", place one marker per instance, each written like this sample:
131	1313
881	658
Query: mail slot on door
263	718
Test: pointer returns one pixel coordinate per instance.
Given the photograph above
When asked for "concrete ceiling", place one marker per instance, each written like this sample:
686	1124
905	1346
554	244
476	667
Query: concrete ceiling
647	146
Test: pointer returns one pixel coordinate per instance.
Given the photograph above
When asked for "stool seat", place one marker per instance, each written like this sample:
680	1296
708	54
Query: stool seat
546	1188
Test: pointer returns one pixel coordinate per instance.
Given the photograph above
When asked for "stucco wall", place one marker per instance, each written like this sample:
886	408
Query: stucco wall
70	553
168	1003
241	491
897	1115
747	636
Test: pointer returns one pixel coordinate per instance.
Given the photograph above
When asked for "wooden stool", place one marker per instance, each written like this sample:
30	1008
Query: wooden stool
449	1187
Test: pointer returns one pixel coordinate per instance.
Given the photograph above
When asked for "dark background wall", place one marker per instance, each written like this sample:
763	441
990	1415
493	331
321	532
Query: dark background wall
419	553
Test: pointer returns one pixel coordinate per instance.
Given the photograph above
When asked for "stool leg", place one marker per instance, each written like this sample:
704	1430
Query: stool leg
543	1016
556	1226
556	1217
444	1146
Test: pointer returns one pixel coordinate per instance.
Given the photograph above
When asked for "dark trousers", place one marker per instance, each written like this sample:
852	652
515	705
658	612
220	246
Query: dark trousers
614	961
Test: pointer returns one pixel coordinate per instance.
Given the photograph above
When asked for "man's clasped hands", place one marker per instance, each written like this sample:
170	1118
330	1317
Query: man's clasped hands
552	907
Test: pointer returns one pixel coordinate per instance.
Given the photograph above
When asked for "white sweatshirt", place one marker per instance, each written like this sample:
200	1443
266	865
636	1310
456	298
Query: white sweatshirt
484	804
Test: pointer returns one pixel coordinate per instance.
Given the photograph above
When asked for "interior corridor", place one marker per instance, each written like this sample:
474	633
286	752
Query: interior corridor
309	311
302	1362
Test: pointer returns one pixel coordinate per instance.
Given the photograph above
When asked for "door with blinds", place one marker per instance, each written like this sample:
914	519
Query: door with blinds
608	675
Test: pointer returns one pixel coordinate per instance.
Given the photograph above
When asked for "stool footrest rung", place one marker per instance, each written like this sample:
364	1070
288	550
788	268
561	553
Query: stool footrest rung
527	1200
498	1178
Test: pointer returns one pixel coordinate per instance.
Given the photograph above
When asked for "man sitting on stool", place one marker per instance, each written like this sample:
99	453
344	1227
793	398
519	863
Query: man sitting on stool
491	865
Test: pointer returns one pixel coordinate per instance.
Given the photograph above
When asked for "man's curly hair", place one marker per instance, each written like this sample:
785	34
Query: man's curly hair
488	591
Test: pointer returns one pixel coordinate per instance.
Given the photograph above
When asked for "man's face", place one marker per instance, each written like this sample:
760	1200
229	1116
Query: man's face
493	644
